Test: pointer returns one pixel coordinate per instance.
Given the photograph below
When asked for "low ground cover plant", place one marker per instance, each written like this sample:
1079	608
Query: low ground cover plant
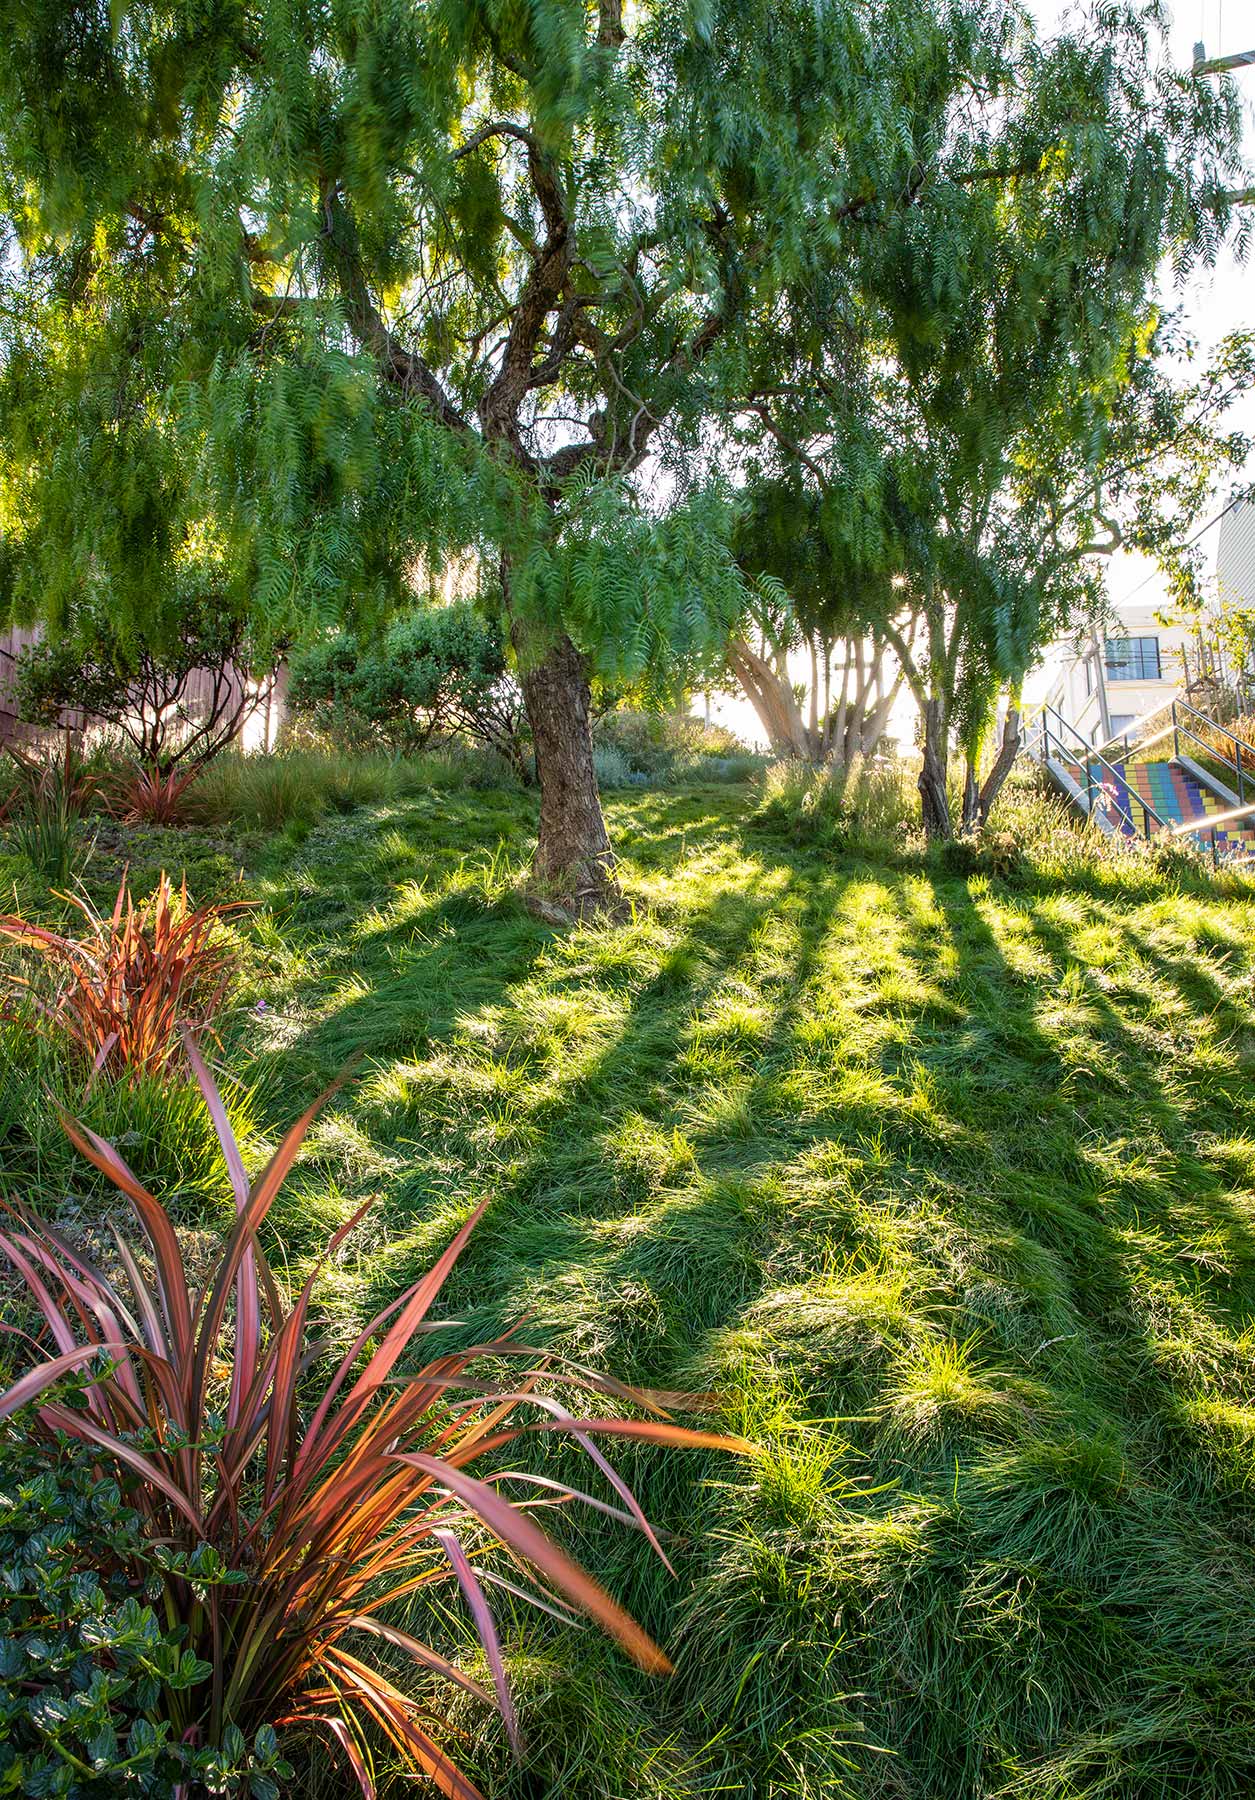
278	1532
83	1655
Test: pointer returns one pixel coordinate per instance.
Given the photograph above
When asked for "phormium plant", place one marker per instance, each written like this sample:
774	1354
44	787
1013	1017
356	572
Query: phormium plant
121	988
285	1535
151	795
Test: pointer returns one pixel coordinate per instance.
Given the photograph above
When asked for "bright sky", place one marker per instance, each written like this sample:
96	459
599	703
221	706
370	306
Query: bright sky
1215	303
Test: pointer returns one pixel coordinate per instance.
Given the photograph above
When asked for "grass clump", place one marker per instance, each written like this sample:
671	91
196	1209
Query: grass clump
296	788
869	801
942	1182
656	749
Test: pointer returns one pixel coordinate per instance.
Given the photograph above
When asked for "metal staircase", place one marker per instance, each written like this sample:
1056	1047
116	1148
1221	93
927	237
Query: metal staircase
1200	792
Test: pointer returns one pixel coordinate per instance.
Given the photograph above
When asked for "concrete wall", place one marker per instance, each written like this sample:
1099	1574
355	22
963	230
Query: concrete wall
1093	690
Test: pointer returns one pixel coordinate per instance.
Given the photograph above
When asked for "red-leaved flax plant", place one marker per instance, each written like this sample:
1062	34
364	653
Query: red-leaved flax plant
293	1501
122	986
151	795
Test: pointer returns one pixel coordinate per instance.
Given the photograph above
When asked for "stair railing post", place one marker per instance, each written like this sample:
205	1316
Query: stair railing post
1176	735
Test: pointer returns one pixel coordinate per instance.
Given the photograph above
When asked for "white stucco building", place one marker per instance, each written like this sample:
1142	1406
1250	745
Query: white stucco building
1105	680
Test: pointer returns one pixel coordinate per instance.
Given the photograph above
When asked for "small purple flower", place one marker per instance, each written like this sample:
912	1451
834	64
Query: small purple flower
261	1007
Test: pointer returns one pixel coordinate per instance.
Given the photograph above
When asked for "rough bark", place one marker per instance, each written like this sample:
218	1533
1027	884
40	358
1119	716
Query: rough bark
574	864
979	797
932	775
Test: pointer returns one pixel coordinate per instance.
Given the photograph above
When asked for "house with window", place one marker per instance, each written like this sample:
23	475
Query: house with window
1105	680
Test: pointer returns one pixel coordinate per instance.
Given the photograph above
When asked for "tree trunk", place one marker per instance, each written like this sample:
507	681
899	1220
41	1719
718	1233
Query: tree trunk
932	776
574	864
971	799
773	699
982	800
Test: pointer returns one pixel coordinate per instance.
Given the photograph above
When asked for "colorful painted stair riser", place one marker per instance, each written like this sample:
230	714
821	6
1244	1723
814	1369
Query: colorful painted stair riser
1168	789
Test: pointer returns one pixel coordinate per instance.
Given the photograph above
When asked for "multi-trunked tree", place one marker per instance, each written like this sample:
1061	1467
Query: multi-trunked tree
302	292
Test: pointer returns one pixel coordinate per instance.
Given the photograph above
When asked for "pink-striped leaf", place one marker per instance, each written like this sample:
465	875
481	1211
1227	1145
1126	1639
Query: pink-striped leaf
481	1612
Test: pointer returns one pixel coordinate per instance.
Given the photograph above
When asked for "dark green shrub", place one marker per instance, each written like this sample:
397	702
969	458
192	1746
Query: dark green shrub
83	1657
177	699
436	672
983	853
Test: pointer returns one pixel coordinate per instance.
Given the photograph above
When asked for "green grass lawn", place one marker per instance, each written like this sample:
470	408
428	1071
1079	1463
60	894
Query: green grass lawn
944	1186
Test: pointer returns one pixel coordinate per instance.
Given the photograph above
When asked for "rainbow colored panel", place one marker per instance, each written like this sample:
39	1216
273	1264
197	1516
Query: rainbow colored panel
1170	791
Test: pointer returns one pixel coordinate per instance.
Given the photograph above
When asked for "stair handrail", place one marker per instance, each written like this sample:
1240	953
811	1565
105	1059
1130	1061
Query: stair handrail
1208	825
1233	763
1135	737
1089	756
1203	828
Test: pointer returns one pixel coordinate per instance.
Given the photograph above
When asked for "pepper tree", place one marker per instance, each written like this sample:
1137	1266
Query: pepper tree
988	411
300	293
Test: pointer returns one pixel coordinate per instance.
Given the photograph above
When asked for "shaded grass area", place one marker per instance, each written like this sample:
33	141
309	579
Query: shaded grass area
945	1186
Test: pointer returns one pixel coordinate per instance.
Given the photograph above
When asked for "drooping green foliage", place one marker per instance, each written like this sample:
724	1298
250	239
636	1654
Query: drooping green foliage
986	415
215	238
814	597
298	290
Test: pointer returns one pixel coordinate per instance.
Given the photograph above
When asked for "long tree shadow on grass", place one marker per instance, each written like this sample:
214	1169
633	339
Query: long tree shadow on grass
633	1200
591	1150
821	1140
1084	1532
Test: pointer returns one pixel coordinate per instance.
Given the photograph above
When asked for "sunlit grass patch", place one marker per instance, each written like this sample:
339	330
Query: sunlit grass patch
940	1187
940	1390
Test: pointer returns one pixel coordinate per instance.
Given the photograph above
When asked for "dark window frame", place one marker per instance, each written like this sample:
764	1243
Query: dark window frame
1132	659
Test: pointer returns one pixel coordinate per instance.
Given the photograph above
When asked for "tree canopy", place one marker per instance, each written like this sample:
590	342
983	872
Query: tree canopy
299	291
992	413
